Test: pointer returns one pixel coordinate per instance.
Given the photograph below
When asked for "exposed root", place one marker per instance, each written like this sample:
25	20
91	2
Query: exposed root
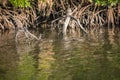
83	15
111	17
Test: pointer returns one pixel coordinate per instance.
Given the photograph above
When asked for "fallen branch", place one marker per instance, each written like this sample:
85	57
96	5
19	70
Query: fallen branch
32	35
77	20
20	27
58	19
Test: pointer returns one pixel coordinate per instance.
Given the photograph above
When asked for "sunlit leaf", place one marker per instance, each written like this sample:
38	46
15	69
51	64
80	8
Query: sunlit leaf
20	3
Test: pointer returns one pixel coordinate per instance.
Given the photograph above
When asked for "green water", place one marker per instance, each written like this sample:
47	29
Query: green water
88	57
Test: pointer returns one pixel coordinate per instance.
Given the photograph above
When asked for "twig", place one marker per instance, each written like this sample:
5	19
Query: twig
2	26
77	20
57	19
32	35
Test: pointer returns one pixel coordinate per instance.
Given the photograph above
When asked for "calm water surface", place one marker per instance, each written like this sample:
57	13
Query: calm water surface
88	57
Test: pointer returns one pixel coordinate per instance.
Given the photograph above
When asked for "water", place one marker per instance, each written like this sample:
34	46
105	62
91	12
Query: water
88	57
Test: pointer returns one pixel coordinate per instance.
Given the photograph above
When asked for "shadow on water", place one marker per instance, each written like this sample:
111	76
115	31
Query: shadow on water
90	57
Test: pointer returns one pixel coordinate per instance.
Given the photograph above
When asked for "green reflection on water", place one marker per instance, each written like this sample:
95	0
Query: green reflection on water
26	67
45	60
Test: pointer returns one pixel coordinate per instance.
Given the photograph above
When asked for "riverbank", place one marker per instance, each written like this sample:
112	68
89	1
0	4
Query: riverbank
83	15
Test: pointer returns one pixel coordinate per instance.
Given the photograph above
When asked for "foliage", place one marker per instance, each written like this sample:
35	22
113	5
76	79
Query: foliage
105	2
23	3
20	3
113	2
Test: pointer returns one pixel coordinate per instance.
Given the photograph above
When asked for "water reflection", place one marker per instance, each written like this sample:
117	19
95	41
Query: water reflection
90	57
8	57
93	59
16	60
45	60
26	69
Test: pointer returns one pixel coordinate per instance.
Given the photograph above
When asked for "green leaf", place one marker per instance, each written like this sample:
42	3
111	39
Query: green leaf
105	2
20	3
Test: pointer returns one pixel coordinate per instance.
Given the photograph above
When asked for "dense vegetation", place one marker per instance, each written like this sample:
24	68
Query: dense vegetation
32	13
